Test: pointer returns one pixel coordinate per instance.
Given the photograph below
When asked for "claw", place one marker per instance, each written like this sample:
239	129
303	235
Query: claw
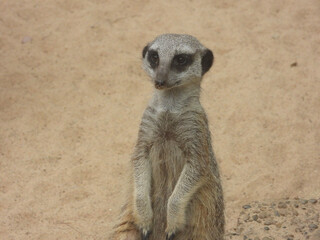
145	234
170	237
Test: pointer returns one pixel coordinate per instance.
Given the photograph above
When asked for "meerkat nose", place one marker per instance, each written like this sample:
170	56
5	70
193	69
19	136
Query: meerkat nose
159	84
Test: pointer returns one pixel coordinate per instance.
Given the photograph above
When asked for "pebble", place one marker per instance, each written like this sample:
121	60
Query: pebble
268	222
255	217
315	218
282	205
313	226
313	201
303	201
263	215
282	212
246	206
294	64
266	228
289	237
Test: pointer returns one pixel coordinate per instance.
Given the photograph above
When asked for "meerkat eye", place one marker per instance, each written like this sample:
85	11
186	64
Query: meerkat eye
181	61
153	58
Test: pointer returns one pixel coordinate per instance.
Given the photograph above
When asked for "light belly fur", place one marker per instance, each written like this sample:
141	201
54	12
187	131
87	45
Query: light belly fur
167	163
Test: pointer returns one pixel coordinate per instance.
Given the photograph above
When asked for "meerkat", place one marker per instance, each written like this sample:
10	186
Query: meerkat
175	190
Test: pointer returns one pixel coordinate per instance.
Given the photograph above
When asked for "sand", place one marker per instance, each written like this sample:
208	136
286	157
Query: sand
72	93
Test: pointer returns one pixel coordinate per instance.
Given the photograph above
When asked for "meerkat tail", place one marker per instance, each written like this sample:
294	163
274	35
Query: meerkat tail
126	229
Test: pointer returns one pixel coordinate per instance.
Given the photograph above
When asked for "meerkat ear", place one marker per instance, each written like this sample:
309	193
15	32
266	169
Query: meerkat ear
144	51
207	61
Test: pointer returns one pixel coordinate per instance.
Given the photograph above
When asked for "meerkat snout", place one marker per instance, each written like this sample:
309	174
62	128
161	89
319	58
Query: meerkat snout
161	78
184	60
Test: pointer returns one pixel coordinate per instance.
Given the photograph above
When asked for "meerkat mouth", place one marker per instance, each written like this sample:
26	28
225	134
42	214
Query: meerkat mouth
164	86
160	87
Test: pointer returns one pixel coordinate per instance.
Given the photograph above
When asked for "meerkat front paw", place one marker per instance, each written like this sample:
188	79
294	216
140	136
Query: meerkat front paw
175	218
143	216
170	236
145	235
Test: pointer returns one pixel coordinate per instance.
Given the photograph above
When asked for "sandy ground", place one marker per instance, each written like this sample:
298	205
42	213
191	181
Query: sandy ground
72	93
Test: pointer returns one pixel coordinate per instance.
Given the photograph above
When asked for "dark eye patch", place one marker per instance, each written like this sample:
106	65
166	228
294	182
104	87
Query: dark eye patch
181	62
153	58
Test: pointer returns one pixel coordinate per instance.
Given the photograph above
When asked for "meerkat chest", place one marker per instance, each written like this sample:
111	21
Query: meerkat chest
166	144
166	128
168	132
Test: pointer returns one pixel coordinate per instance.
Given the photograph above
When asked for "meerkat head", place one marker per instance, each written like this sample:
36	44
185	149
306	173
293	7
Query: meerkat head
173	60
